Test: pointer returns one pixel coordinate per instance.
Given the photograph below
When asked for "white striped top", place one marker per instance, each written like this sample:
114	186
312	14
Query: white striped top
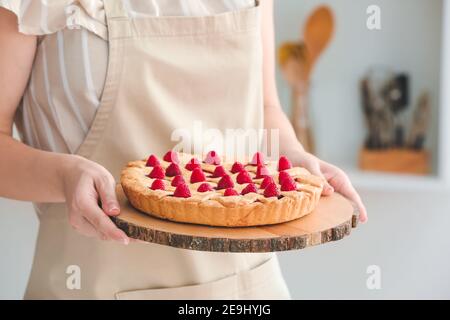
70	66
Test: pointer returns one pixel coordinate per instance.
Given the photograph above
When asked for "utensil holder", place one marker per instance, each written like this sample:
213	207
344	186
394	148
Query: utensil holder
396	160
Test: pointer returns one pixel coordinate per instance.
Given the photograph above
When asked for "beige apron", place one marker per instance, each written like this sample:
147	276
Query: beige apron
164	73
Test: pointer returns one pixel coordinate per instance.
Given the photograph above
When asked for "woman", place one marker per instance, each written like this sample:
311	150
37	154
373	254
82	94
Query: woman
94	84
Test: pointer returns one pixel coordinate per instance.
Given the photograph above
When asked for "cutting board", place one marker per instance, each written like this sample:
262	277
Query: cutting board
332	220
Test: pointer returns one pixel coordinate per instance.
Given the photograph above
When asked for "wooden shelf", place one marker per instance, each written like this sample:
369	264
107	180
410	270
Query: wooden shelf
379	181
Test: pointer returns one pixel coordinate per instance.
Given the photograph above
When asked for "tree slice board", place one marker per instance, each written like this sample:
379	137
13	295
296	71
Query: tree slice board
332	220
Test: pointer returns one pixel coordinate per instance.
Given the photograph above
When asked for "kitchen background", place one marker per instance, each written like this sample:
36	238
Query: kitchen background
409	216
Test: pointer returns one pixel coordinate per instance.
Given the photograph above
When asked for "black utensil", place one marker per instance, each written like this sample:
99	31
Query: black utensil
396	95
421	121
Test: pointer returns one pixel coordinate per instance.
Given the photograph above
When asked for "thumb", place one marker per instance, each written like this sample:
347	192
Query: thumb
106	189
313	166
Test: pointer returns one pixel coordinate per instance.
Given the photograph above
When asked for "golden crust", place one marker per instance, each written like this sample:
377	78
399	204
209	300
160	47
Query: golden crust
214	209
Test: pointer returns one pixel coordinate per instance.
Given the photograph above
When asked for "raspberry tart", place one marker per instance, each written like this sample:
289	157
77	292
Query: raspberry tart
206	190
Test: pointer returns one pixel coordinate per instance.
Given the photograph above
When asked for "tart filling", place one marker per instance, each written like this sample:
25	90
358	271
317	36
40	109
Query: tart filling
185	188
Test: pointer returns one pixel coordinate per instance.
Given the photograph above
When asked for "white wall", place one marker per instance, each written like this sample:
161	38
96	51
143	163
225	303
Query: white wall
18	231
407	232
409	41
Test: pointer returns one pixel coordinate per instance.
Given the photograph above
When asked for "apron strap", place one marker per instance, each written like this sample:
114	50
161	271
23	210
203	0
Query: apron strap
114	9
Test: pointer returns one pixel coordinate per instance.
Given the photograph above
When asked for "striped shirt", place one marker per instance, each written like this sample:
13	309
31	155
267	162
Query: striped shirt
69	71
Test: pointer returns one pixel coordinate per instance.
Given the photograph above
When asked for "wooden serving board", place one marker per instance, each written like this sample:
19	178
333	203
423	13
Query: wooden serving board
332	220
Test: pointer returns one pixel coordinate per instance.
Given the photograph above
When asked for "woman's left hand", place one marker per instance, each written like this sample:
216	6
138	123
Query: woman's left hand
337	179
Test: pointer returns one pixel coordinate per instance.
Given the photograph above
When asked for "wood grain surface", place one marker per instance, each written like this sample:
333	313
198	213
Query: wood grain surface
332	220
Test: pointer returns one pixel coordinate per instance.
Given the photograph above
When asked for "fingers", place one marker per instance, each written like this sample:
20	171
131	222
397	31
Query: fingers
84	187
336	180
328	190
85	228
84	206
350	192
105	187
103	224
80	224
342	184
313	166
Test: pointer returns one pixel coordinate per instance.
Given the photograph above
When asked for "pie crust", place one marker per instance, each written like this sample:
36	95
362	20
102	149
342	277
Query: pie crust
212	207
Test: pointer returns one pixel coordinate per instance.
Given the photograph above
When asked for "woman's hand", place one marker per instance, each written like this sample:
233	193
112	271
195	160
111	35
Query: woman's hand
337	180
86	184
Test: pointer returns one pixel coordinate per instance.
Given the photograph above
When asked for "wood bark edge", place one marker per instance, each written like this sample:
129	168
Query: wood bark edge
272	244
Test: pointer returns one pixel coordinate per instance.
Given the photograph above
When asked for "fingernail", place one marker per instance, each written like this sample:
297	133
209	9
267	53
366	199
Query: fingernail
113	209
126	241
363	219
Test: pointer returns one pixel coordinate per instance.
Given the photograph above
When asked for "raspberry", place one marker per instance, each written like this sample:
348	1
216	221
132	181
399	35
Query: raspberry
283	175
152	161
284	163
271	191
243	177
157	173
171	156
249	188
158	184
197	175
267	180
182	191
218	172
173	170
262	172
204	187
192	164
212	158
225	182
230	192
177	181
258	159
288	184
237	167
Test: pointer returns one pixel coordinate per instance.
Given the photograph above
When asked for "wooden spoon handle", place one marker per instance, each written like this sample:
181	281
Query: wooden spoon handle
300	120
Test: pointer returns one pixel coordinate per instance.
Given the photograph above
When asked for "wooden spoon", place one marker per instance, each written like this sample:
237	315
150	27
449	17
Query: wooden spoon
317	34
297	60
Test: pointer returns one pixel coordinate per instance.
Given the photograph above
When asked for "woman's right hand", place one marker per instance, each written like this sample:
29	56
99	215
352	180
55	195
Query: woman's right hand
86	185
